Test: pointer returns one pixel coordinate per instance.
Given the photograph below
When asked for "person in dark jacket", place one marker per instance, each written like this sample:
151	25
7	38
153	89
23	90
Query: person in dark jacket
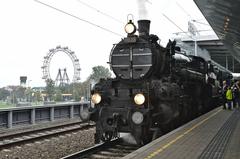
236	95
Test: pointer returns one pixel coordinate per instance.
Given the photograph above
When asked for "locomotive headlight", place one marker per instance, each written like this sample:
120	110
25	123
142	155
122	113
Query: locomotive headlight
96	98
130	28
139	99
137	117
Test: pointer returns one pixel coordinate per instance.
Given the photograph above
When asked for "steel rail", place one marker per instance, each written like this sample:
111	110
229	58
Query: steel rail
113	149
41	134
13	135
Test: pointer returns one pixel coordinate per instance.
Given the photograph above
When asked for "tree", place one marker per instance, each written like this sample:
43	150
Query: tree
99	72
81	90
76	91
50	90
37	96
4	94
58	96
28	94
20	92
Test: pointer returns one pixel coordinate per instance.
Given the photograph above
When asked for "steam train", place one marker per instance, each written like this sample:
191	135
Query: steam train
155	90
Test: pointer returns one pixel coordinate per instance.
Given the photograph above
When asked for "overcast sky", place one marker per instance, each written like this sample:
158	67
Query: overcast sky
29	29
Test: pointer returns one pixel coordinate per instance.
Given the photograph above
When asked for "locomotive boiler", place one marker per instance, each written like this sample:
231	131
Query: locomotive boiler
156	88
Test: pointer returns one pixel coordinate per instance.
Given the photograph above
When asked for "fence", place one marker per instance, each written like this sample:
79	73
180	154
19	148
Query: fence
10	117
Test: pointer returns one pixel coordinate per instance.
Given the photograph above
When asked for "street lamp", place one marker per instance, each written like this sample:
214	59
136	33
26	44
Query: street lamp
193	31
29	83
29	91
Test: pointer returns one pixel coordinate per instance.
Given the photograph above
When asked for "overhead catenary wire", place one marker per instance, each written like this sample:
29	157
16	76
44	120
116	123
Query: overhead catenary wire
100	12
206	30
78	18
200	22
190	17
148	2
172	22
194	20
176	25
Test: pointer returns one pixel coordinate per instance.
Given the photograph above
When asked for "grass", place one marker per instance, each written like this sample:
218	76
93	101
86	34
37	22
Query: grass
5	105
36	103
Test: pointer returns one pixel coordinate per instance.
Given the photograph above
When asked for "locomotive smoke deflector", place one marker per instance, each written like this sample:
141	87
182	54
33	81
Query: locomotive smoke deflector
143	27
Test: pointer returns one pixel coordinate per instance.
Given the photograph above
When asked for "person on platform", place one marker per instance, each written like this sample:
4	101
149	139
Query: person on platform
229	97
224	91
236	95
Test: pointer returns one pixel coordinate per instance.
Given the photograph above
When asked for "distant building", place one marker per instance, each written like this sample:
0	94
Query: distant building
38	89
23	81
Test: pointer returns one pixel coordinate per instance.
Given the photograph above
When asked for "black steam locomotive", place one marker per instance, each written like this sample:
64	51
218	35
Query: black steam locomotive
155	90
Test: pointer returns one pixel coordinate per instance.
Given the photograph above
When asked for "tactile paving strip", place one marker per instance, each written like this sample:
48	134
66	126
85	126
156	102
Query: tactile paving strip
216	148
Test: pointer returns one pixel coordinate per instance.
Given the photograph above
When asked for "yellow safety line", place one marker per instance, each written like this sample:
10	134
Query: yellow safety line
156	152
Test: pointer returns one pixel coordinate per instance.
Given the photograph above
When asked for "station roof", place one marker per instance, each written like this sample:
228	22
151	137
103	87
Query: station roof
218	51
223	16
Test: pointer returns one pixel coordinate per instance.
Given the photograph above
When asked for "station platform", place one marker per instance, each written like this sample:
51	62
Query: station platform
215	135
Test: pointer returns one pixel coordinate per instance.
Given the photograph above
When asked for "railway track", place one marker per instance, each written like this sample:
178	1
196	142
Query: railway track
115	149
20	138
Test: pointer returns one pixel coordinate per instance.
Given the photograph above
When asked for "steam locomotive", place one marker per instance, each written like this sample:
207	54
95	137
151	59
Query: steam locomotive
156	88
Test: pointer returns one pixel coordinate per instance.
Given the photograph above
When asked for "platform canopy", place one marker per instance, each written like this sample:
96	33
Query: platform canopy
224	18
217	50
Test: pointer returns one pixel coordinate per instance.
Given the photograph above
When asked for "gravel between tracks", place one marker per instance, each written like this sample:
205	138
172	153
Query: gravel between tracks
52	148
40	125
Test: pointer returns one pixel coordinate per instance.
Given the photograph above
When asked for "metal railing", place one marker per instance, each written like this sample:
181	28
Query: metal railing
11	117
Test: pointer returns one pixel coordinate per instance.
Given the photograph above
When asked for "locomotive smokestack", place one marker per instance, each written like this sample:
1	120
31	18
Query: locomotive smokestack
143	27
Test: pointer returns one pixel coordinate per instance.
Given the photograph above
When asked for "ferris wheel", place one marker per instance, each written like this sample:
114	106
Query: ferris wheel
71	54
